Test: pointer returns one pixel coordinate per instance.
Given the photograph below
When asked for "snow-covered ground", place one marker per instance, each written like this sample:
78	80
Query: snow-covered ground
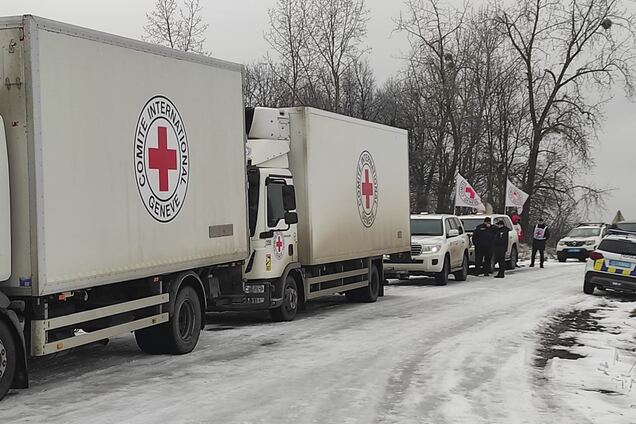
464	353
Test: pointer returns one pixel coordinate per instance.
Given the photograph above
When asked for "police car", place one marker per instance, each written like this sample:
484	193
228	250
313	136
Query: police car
612	265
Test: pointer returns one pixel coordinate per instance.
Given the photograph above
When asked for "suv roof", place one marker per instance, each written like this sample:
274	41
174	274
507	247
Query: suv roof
626	237
432	216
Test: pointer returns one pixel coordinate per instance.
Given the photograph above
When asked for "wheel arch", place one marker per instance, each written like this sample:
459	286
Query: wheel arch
189	278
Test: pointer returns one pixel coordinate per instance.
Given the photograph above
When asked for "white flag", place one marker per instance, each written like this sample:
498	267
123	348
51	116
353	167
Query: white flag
515	197
466	195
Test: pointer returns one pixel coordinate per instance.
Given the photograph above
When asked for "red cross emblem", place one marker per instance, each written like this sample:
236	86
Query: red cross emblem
279	244
470	192
162	158
367	189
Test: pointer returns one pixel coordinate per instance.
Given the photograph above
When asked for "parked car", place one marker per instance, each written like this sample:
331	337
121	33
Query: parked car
612	265
439	247
623	227
472	221
580	242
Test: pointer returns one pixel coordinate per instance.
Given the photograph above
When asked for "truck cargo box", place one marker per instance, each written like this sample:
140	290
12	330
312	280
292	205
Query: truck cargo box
126	160
352	187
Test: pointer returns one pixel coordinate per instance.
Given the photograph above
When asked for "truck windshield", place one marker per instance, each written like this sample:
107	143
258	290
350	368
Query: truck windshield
621	247
584	232
426	227
471	223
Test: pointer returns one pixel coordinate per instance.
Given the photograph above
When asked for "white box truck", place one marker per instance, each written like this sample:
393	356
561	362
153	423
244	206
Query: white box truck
132	200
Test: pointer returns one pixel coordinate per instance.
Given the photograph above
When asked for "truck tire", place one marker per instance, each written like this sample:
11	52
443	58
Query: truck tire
184	327
588	288
288	310
514	257
441	278
150	340
368	294
462	275
8	359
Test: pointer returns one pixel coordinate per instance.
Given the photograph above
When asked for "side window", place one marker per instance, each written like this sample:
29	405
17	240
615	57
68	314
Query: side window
275	209
458	225
508	222
449	225
604	232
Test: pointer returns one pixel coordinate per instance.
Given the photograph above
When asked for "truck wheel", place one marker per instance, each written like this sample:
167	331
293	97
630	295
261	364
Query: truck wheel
514	257
463	274
370	293
287	311
441	278
8	359
588	288
150	339
561	257
184	327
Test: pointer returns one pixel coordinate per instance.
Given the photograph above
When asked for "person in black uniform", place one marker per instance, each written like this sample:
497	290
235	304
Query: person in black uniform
500	246
483	238
540	235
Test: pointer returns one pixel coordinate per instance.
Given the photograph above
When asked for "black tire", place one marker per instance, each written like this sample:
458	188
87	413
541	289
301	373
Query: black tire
588	288
184	328
8	359
151	340
463	274
441	278
368	294
561	257
514	257
288	310
582	259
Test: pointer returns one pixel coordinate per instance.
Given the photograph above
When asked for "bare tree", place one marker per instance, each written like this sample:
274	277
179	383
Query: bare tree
572	53
177	27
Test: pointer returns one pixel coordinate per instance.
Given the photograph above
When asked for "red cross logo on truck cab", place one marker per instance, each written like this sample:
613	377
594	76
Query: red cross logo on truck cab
367	189
162	158
279	245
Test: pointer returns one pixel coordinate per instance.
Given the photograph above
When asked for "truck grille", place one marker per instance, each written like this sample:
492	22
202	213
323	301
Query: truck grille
416	250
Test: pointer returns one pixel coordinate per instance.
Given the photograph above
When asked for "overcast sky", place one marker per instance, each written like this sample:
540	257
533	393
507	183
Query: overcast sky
236	34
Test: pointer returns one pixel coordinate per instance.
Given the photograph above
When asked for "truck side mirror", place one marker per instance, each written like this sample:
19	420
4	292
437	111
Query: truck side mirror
289	198
291	218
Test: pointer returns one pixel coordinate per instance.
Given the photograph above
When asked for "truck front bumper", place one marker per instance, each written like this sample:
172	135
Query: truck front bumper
257	297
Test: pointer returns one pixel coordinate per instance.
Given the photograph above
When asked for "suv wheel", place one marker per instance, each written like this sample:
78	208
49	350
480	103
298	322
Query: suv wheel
588	288
441	278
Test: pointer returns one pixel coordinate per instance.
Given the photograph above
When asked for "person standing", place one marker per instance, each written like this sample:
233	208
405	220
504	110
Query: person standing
540	235
483	238
500	247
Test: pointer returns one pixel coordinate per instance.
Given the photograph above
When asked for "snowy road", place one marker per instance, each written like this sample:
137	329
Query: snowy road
422	354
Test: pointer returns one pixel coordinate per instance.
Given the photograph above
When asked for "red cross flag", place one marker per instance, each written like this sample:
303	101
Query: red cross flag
466	195
515	198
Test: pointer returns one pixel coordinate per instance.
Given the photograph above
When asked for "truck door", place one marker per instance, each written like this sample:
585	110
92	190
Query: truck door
5	208
283	248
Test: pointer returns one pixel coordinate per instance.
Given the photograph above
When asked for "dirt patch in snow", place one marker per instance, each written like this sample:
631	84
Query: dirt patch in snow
557	336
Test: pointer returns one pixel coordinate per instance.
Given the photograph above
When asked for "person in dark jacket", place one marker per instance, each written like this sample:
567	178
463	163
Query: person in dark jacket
500	247
540	235
483	239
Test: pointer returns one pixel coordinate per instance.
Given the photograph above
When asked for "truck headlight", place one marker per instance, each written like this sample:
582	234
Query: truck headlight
254	288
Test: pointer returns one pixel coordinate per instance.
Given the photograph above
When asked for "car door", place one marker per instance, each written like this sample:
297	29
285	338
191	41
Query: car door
452	242
512	235
464	242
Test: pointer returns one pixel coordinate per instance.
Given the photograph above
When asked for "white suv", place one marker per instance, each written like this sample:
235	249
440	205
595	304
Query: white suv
439	247
612	265
512	254
580	242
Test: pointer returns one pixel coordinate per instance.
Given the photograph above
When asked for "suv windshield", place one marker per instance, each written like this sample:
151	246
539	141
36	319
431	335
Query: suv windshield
627	226
426	227
621	247
471	223
584	232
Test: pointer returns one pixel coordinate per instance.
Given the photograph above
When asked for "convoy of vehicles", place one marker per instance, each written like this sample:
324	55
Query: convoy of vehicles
131	199
471	222
439	247
580	241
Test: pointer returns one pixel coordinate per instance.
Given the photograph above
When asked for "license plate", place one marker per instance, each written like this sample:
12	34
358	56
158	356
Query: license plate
620	264
574	250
